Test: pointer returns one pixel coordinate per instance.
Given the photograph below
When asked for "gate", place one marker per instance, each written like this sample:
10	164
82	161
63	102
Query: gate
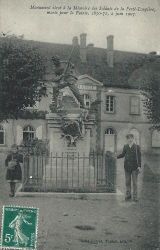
67	172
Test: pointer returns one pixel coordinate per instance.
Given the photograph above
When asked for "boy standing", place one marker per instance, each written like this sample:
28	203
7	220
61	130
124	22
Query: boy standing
132	164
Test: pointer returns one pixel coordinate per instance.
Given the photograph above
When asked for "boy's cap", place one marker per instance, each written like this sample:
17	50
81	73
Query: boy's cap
129	136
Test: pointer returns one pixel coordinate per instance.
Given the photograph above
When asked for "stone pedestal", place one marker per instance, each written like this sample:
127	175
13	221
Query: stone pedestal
69	166
58	144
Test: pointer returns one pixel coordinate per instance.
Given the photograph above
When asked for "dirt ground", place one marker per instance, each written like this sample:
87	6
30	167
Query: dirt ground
98	221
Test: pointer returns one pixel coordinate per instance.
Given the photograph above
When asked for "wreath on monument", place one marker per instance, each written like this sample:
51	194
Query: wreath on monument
73	131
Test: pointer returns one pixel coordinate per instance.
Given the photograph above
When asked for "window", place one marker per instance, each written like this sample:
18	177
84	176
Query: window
2	135
86	98
135	105
110	104
28	133
109	131
156	139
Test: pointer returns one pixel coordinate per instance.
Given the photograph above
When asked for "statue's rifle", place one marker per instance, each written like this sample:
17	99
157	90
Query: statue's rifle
68	62
62	77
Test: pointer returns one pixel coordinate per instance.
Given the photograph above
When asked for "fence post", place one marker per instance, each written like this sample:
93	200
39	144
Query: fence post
110	171
25	171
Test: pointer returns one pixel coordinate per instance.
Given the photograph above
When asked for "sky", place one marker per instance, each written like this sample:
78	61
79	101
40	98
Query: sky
140	33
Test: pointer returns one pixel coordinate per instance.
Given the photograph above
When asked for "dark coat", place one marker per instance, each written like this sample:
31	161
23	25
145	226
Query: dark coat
132	157
16	174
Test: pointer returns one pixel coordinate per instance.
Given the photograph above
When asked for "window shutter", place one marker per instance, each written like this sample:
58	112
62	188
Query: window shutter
19	135
135	105
156	139
39	132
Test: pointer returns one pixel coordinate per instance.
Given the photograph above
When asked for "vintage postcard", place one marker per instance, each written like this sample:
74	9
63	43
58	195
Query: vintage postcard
80	124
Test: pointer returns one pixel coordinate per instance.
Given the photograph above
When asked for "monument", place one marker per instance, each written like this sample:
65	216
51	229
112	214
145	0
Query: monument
69	126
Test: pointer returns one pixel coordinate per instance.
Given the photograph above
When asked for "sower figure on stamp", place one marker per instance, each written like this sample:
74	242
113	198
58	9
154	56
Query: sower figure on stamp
14	172
16	224
132	164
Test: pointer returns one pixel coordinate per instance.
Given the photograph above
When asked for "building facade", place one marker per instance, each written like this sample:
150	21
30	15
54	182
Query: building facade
123	113
109	90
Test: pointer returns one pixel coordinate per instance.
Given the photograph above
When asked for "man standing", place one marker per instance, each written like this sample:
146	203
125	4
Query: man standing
132	164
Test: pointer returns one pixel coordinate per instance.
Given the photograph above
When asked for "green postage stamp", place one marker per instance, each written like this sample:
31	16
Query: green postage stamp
19	227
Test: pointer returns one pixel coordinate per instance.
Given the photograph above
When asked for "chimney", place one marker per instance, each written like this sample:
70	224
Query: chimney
110	50
110	40
75	41
83	40
83	49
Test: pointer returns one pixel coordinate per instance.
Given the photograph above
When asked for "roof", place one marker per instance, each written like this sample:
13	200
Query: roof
145	74
125	63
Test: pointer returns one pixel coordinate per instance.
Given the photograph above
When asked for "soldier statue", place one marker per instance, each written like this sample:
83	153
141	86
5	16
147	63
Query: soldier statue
64	77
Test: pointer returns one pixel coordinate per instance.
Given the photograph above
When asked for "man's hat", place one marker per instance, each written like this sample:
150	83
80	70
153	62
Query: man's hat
129	136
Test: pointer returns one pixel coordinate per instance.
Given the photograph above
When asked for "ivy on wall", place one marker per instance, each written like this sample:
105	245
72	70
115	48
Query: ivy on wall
32	114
